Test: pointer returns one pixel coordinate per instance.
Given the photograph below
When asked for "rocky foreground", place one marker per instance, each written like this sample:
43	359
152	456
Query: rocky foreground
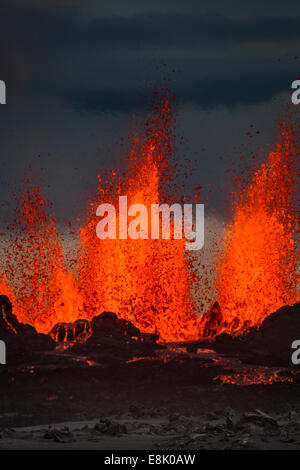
270	344
105	385
145	429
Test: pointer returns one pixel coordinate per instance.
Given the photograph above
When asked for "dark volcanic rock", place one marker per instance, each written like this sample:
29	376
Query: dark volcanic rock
62	332
270	344
107	324
22	340
149	338
8	321
129	330
211	322
114	340
105	319
275	336
82	327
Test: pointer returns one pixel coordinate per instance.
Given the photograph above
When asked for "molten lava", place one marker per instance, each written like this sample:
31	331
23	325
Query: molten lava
42	290
258	270
144	281
153	283
133	277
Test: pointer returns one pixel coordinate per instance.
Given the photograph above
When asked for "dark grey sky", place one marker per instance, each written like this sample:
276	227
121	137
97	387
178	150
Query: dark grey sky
76	70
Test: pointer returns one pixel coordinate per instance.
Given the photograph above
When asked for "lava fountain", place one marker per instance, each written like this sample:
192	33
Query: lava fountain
258	270
155	283
36	280
145	281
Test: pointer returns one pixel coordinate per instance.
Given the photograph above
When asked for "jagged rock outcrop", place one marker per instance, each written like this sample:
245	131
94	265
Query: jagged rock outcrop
211	322
269	344
107	324
22	340
114	340
276	334
62	332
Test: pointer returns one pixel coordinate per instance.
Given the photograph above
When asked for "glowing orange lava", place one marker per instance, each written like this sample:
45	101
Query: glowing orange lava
258	270
43	291
152	283
144	281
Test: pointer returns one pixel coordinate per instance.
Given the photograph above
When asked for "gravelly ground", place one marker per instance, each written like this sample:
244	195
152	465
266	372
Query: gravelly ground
223	429
171	400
